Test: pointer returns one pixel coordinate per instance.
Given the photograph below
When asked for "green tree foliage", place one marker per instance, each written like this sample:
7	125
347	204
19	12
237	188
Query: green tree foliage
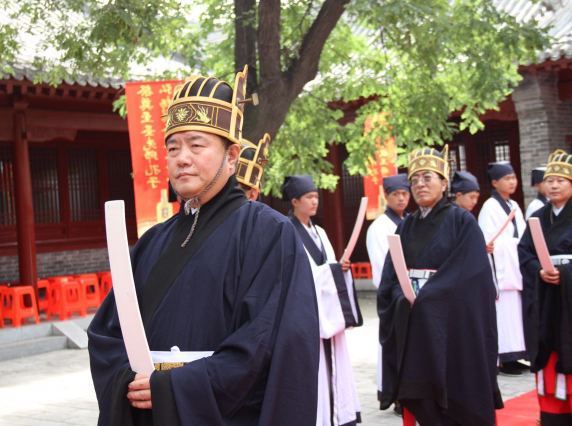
418	61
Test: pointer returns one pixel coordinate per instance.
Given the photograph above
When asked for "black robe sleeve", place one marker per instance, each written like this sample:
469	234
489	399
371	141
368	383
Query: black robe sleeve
530	268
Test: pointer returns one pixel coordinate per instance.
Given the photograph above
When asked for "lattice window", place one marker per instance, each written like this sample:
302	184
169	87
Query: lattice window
7	201
462	158
83	185
502	151
120	180
453	161
45	194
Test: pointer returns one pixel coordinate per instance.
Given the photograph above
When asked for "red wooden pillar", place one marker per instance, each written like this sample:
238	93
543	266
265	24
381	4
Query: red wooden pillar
333	203
24	203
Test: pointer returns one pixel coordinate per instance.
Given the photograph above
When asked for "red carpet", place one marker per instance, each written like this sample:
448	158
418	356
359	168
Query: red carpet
520	411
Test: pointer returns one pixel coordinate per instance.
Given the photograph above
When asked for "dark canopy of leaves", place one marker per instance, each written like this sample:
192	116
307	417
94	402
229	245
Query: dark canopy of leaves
423	59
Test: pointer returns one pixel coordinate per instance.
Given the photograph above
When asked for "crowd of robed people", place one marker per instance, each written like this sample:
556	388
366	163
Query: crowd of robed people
257	303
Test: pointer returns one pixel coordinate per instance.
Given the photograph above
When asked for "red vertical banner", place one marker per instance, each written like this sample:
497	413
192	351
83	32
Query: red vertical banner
147	104
382	165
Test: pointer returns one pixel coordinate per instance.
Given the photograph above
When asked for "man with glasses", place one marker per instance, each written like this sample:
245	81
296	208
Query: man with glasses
439	354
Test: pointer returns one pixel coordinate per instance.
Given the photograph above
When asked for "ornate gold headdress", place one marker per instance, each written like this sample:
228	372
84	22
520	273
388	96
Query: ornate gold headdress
210	105
559	164
253	159
429	159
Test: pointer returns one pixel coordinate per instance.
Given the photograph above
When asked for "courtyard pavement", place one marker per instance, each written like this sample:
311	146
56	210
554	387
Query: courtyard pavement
56	389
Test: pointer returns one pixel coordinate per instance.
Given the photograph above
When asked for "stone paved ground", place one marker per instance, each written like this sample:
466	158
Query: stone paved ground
56	389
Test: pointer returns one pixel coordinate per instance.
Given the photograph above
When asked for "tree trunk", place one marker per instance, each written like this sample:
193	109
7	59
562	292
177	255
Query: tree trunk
277	89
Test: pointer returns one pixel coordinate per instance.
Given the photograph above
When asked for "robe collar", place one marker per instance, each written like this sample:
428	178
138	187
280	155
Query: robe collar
317	253
506	206
394	217
541	198
565	213
173	258
441	204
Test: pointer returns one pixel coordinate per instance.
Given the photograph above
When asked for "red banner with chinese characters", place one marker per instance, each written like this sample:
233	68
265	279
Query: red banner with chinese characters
147	103
382	165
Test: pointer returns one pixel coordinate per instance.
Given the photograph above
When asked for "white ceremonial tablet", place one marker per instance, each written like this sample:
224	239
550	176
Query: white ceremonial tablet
356	231
540	244
398	259
124	289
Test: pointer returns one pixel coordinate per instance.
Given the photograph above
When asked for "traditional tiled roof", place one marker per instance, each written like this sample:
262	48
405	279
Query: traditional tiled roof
556	15
22	72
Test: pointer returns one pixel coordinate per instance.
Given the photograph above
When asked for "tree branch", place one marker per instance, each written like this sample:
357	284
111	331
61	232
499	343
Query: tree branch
305	68
269	39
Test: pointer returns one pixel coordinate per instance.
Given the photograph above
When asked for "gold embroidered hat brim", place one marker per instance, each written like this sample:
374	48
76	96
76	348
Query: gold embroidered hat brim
425	159
559	169
559	164
204	112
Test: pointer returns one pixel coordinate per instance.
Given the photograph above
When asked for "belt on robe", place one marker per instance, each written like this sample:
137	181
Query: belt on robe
162	366
419	278
561	259
175	358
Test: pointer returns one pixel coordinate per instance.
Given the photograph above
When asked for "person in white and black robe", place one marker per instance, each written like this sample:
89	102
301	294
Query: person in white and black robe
396	189
537	182
338	307
505	265
466	190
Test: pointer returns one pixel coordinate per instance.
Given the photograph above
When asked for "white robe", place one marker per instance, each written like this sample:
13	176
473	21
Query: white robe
534	205
377	245
506	273
333	326
377	248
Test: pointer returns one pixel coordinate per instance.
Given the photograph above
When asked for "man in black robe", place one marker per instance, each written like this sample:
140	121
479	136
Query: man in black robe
225	277
547	296
439	354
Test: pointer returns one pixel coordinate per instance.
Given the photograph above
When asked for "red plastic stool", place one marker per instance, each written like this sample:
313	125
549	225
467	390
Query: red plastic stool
361	270
2	286
105	284
66	297
19	303
42	296
55	298
90	290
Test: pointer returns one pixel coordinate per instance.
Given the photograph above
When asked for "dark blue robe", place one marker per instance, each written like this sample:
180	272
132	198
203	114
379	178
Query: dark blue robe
547	308
443	349
246	293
